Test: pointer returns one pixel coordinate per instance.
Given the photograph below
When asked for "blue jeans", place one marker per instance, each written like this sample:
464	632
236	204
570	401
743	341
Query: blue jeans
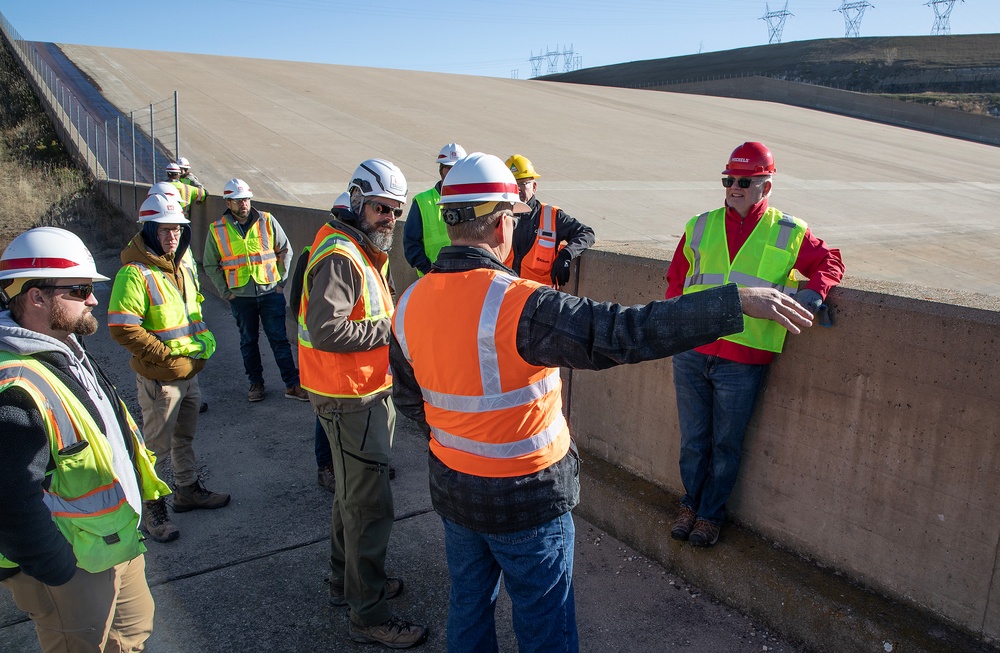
537	568
715	400
268	311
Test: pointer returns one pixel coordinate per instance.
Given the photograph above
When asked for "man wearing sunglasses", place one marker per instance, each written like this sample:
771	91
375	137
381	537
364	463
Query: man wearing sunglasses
754	245
547	239
247	258
155	313
344	319
74	471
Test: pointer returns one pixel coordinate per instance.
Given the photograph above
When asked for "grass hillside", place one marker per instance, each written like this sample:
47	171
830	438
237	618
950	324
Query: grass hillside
39	183
961	71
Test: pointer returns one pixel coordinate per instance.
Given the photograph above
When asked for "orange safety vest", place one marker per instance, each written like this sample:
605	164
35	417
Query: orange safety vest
537	263
490	412
346	374
245	257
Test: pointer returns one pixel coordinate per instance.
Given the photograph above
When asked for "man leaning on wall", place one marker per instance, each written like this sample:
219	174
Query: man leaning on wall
749	243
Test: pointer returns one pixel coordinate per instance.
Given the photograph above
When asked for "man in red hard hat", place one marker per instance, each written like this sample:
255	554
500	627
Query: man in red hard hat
749	243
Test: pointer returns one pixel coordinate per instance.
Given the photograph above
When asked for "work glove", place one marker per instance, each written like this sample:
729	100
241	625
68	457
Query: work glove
560	269
812	302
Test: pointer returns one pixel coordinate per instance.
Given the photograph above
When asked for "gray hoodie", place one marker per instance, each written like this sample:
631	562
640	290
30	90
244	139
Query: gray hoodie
24	342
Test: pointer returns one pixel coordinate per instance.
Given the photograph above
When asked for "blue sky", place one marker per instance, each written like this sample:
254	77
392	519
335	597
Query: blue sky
471	37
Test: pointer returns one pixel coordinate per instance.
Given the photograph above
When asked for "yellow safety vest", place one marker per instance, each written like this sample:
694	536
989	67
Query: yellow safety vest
435	230
86	500
346	374
765	260
175	319
245	257
189	195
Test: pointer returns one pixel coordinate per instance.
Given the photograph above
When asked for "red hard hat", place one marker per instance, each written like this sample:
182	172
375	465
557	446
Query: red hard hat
750	160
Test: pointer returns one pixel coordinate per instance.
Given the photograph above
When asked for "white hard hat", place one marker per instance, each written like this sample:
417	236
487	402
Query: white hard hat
173	167
343	201
47	253
183	163
159	208
379	178
236	189
450	154
481	178
164	188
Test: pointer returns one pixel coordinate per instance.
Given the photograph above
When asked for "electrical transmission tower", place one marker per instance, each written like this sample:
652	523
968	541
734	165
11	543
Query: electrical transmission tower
571	61
853	13
942	15
775	22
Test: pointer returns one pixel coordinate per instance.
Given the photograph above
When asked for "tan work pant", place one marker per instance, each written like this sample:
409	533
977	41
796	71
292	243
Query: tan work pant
169	419
107	612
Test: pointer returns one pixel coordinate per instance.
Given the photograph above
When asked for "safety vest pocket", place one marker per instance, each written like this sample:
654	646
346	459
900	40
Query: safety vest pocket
774	260
102	541
79	474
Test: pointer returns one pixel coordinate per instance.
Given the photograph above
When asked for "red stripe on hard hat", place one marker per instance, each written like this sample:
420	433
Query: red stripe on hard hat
475	189
143	214
28	263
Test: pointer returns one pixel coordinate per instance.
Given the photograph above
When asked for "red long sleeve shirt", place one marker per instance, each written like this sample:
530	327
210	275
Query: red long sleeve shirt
823	266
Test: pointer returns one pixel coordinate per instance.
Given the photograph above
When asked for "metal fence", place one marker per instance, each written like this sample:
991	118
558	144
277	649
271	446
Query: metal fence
127	146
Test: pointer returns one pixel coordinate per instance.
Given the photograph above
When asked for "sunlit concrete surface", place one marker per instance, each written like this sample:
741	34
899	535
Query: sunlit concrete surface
903	205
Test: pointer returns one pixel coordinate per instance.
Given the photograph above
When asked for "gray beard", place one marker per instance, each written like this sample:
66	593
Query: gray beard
382	241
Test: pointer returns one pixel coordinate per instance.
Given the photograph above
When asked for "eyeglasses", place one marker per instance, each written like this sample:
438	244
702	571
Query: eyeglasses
524	182
385	209
742	182
163	231
79	291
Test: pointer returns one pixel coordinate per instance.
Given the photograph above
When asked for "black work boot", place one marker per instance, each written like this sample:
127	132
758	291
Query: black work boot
156	523
194	497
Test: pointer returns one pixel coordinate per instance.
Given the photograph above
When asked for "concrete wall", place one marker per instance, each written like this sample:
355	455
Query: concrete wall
937	120
875	449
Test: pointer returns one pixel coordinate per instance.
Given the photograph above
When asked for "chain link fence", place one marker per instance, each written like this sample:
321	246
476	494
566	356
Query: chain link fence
133	146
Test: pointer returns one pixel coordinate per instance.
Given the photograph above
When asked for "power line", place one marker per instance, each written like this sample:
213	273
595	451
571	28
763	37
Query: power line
942	15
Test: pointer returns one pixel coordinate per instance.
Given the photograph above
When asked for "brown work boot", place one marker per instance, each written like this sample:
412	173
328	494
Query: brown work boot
256	392
705	533
193	497
683	524
156	523
393	588
394	633
326	479
296	392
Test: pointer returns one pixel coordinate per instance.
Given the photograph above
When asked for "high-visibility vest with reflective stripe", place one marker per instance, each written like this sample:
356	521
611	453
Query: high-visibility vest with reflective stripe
537	263
490	412
435	230
346	374
765	260
86	500
189	194
245	257
174	318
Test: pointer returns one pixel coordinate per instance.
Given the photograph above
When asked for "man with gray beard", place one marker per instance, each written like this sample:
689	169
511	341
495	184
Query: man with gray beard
344	330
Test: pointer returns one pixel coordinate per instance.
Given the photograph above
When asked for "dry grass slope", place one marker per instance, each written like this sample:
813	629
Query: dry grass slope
39	183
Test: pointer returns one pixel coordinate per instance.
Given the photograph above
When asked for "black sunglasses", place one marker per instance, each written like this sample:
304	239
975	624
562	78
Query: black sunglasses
385	209
742	182
79	291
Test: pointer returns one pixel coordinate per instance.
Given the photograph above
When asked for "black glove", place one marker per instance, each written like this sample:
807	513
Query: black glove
560	268
809	299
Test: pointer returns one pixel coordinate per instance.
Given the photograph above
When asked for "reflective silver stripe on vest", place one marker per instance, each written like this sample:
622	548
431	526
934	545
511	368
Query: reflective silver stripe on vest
695	277
476	404
404	301
222	239
53	404
489	364
787	225
374	288
104	499
152	289
123	319
505	449
750	281
191	329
